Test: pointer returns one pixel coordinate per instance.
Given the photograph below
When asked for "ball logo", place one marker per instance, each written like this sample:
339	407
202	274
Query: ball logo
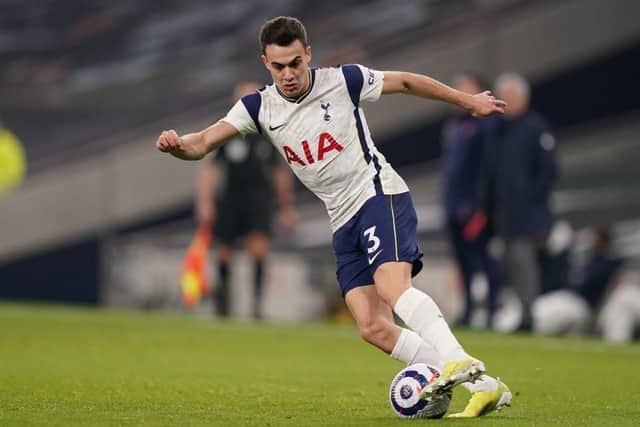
406	391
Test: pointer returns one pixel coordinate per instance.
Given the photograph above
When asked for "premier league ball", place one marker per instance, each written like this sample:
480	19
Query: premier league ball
404	393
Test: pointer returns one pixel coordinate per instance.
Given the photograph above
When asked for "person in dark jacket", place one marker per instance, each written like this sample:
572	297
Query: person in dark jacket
522	164
464	164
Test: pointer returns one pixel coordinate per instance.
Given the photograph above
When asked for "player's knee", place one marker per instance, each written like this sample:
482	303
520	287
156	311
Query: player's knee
372	330
390	293
392	280
386	295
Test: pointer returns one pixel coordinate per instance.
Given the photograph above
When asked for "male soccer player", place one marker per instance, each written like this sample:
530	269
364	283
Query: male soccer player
313	118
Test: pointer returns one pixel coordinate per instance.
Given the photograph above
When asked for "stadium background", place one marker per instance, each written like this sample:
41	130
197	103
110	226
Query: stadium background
103	219
92	241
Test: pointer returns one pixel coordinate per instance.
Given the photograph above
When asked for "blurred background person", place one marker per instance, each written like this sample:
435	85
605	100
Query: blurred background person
235	195
463	160
13	162
611	289
573	309
81	222
619	318
555	257
522	172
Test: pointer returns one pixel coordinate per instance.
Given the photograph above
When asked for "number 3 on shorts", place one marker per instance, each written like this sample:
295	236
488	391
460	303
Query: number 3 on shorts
375	242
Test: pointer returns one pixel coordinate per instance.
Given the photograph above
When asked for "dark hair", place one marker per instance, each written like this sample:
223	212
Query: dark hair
282	30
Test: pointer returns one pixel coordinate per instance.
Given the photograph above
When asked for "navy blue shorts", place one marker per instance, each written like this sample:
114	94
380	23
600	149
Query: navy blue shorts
383	230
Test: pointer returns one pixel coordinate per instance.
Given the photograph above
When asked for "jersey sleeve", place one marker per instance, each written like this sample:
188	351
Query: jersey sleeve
363	84
239	117
372	84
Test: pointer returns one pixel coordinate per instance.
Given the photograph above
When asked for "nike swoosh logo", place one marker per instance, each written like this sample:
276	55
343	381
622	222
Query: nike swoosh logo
373	258
276	127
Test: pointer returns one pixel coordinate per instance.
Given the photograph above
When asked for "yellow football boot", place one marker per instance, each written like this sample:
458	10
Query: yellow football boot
454	373
484	402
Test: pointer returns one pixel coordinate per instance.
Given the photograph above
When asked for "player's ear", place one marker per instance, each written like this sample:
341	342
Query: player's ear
307	52
265	62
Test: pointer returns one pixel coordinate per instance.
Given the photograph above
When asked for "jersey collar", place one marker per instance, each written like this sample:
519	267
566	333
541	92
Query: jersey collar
299	99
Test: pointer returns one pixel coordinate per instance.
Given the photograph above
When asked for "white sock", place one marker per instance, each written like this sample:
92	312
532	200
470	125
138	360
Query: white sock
421	314
410	349
484	383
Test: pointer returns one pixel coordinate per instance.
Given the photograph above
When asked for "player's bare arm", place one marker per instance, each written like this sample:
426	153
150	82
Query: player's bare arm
194	146
479	105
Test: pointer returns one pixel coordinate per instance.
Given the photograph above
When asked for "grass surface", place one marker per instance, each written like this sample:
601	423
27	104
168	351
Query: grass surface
69	366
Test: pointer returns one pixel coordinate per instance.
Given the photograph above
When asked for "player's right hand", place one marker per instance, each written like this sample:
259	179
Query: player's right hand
484	104
168	141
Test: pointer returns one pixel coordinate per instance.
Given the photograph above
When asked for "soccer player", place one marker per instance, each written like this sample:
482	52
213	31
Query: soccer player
244	204
314	119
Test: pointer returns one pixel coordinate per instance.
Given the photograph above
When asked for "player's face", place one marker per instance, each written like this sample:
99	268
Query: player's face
289	67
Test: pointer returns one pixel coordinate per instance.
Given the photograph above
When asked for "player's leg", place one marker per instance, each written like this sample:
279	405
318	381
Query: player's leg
373	317
388	232
257	212
226	230
394	240
221	295
383	232
420	313
377	327
258	246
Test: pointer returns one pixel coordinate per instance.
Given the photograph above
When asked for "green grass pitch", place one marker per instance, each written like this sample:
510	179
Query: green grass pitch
69	366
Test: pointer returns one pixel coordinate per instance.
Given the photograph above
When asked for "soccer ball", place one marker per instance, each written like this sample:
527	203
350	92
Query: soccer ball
404	393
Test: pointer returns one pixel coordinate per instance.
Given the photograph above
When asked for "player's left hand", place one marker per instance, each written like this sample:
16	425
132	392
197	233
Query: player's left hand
484	104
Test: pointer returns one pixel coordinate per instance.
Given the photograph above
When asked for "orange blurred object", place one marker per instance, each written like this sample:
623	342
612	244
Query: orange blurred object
194	280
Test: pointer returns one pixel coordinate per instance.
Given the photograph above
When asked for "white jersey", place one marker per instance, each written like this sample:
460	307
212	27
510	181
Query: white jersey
324	137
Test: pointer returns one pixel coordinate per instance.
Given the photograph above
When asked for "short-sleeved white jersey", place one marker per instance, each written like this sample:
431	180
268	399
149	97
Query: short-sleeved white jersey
324	137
